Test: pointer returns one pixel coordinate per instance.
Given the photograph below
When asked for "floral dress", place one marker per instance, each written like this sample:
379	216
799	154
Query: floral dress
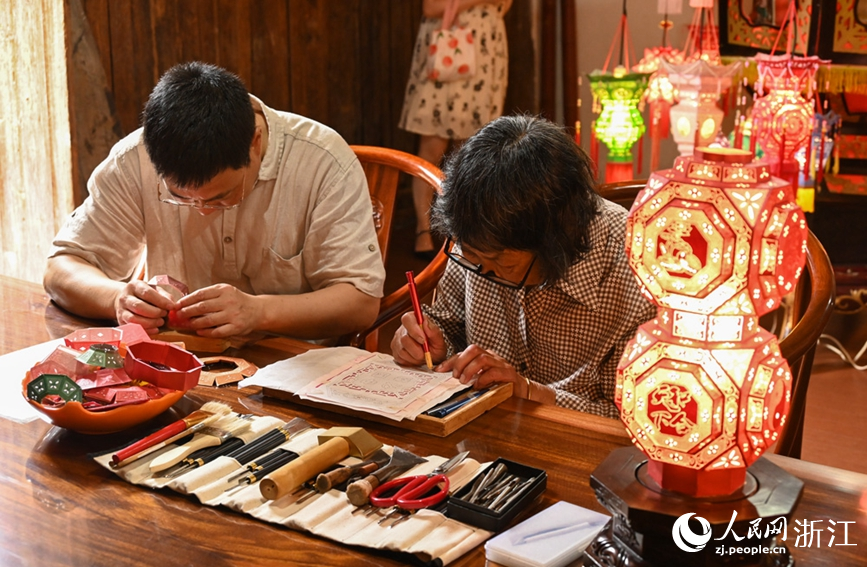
455	110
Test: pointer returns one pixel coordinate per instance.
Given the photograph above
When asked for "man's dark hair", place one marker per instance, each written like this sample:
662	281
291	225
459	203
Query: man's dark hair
520	183
198	121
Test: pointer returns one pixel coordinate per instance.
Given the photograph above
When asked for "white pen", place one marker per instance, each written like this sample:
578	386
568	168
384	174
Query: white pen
553	532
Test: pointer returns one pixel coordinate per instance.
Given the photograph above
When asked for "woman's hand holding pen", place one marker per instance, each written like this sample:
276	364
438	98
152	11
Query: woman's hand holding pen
407	344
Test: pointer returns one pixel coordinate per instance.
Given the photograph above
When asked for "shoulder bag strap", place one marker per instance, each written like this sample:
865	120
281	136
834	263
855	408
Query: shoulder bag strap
449	14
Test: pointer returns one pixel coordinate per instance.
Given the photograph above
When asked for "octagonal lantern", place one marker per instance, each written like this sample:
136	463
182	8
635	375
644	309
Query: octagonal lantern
716	234
102	355
620	124
783	116
696	117
702	411
163	364
83	339
702	388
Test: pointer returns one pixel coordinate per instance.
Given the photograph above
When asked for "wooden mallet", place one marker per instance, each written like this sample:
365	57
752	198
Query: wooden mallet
334	445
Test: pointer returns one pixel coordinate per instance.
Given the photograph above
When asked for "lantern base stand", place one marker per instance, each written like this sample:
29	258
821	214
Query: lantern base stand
618	171
644	515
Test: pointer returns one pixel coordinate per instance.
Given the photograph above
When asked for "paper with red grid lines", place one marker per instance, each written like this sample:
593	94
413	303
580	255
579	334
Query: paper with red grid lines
374	383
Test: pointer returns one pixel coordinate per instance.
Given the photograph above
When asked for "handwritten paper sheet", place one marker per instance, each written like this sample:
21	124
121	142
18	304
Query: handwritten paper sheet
375	383
357	379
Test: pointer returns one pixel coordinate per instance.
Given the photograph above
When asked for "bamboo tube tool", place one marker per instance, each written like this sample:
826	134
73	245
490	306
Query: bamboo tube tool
334	445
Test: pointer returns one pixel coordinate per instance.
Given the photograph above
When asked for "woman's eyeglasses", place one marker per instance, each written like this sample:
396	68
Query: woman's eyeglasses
477	268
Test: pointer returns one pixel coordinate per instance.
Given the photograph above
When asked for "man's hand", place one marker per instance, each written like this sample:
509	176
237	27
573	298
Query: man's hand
138	302
486	367
406	346
220	311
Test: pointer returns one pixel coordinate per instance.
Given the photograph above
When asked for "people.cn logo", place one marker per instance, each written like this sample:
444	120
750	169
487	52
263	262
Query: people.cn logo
685	538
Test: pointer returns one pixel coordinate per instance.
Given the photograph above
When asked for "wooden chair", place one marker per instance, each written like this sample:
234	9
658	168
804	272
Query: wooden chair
811	307
383	167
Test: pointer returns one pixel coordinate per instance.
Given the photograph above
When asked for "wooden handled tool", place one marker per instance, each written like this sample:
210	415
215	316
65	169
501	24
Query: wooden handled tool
334	445
359	491
401	461
328	480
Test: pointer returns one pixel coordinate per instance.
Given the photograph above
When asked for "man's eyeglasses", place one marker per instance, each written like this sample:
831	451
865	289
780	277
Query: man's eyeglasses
477	268
219	204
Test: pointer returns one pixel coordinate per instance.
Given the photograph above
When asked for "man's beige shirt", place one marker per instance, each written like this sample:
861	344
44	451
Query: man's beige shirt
307	223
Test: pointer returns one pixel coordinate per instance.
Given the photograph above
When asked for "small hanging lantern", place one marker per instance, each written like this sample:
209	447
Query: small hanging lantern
782	116
616	96
620	124
696	118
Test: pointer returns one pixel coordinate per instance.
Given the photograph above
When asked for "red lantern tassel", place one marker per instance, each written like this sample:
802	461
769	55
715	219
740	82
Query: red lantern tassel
659	127
754	133
739	133
820	171
640	153
594	147
782	155
808	157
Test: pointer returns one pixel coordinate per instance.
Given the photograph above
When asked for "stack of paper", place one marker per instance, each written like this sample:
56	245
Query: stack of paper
359	380
554	537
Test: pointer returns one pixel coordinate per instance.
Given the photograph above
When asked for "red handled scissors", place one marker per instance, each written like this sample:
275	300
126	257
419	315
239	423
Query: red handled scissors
408	492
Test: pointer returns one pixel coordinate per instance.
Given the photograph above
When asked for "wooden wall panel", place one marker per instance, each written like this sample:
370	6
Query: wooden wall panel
270	51
403	29
522	94
96	12
344	63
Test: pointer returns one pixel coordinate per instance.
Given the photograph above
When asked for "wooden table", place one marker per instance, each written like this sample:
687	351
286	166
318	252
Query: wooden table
58	507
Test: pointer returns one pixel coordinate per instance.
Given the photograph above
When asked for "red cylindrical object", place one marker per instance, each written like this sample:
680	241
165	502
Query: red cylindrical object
617	171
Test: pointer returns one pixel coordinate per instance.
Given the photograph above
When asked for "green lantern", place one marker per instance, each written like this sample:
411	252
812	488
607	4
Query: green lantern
102	355
620	124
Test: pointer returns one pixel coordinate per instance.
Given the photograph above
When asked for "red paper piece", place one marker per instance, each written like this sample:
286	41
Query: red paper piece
53	401
104	378
104	395
154	393
132	333
131	394
62	358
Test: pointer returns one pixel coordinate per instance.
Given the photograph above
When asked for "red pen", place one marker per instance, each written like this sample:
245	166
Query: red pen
416	307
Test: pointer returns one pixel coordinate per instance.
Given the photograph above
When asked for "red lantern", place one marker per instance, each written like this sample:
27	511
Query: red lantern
783	117
703	390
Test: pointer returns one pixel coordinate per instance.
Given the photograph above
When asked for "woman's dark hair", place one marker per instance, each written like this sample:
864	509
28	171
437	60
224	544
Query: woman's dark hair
198	121
520	183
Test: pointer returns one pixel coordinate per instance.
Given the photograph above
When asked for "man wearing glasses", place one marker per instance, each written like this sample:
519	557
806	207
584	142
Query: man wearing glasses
264	214
537	291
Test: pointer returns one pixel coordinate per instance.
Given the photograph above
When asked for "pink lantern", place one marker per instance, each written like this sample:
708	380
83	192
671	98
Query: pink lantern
783	117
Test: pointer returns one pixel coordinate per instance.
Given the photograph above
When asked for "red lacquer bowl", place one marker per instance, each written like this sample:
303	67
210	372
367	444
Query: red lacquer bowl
73	416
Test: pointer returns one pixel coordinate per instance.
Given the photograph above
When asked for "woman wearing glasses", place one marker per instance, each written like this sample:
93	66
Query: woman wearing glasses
264	214
537	291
